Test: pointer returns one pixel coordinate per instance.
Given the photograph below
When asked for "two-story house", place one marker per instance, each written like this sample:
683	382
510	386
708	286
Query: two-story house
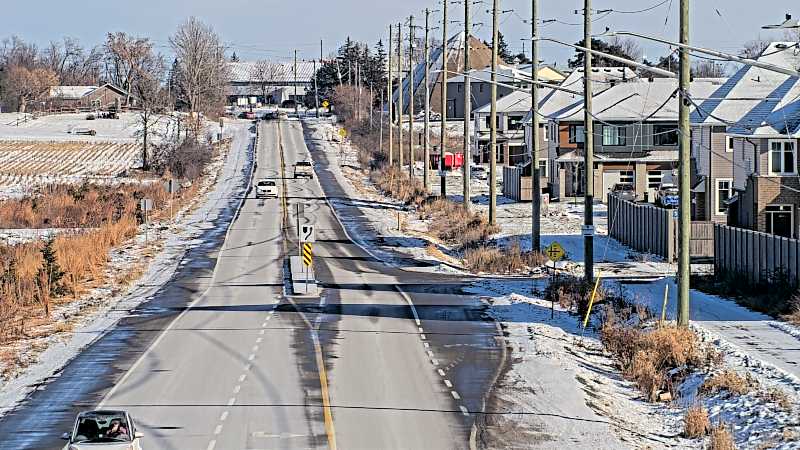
480	86
635	137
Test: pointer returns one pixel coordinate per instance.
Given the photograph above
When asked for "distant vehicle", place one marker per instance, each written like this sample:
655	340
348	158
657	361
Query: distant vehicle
90	117
624	191
270	115
288	104
303	169
248	115
667	195
103	430
479	172
266	188
84	131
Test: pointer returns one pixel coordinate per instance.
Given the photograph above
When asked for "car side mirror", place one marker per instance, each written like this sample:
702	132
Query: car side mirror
66	436
138	435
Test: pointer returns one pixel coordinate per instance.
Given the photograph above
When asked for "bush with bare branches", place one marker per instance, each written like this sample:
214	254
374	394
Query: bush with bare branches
695	422
492	259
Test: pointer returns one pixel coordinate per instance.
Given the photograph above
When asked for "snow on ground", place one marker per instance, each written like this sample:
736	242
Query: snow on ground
158	257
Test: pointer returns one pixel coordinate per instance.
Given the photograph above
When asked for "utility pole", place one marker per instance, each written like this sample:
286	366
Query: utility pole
411	158
296	111
536	197
588	146
321	63
684	223
426	151
467	112
493	119
443	129
316	90
389	100
400	95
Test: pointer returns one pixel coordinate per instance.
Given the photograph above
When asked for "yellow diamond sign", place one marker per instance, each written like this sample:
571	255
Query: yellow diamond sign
555	252
342	132
325	104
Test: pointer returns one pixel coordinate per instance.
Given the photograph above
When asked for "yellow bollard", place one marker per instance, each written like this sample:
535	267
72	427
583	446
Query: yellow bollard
591	303
664	306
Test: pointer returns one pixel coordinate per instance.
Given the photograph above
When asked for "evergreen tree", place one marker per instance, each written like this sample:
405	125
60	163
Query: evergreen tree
50	272
597	60
234	57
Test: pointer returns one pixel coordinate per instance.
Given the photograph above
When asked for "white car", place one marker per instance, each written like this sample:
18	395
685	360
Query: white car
103	430
479	172
266	188
303	169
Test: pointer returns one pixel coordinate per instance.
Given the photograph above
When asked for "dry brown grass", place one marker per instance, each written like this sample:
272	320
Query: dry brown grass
501	259
696	423
728	381
794	314
777	396
396	183
450	222
721	438
646	356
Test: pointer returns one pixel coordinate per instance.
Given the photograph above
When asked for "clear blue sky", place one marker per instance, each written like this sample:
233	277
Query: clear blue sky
272	28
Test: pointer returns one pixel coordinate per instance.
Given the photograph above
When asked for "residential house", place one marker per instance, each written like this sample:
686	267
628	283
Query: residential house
87	97
480	86
766	176
269	82
635	136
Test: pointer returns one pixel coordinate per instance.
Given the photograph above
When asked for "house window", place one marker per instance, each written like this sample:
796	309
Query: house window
728	144
626	177
480	87
489	121
780	220
546	133
515	122
724	193
459	87
613	135
576	134
654	178
665	135
782	157
543	168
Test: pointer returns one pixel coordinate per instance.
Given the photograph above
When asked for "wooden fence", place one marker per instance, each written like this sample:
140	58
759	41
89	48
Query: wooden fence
756	257
643	227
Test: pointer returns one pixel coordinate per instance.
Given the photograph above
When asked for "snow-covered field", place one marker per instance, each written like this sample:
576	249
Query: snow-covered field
151	258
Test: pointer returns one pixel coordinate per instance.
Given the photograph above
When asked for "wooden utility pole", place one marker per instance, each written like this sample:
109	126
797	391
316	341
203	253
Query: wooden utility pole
389	99
588	146
493	119
466	167
426	137
684	223
536	197
296	106
411	133
443	129
316	90
400	95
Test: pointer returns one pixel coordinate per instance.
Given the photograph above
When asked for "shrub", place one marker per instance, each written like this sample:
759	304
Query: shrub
728	381
573	293
501	259
721	438
396	183
186	160
696	423
454	224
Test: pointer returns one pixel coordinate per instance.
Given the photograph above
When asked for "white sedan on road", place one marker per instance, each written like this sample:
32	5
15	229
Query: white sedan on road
103	430
266	188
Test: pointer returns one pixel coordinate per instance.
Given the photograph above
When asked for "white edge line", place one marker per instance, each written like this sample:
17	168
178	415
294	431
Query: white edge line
155	343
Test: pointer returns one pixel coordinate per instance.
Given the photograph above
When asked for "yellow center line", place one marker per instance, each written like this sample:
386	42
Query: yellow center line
330	430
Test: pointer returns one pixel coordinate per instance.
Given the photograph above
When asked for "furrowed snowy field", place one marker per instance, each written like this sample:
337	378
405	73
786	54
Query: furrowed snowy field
45	150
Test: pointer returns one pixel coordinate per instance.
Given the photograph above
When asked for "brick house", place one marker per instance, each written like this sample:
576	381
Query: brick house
106	96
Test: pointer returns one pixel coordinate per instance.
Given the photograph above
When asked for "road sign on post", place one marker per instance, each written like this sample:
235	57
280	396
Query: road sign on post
308	255
307	234
555	252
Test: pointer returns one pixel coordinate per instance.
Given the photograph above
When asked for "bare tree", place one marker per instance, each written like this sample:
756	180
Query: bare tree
202	67
264	72
26	85
708	69
126	60
72	63
753	49
153	99
628	46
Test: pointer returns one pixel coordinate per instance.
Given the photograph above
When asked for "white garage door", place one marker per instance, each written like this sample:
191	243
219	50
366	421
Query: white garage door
612	177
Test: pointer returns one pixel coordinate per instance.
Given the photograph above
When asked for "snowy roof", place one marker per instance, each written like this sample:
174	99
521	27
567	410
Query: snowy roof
505	74
640	99
517	101
647	156
246	72
755	101
70	92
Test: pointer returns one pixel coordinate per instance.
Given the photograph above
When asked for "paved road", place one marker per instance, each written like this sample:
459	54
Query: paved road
383	359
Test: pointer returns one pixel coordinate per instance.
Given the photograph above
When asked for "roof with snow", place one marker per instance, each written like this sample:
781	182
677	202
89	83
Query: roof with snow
642	99
755	101
70	92
646	156
279	72
517	101
505	74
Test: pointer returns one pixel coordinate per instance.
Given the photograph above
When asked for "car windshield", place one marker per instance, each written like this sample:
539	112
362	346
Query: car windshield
303	163
102	427
266	183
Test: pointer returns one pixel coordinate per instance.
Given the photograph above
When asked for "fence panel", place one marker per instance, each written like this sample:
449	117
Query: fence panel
754	256
643	227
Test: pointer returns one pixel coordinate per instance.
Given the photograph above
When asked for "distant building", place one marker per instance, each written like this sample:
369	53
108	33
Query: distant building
269	82
106	96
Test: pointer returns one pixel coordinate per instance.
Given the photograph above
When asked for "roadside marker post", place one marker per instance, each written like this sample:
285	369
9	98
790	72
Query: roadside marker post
555	253
146	204
307	236
591	303
664	306
308	259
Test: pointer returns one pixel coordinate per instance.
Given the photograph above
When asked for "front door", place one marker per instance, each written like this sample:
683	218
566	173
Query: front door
780	220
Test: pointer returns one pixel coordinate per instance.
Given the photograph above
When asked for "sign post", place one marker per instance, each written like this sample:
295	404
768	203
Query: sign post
146	204
307	238
555	253
308	259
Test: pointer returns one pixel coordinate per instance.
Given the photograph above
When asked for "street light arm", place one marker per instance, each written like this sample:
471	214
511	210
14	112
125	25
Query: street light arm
629	62
746	61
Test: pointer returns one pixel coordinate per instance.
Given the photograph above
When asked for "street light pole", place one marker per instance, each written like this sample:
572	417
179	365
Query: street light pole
465	167
588	145
684	223
493	119
400	95
536	196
